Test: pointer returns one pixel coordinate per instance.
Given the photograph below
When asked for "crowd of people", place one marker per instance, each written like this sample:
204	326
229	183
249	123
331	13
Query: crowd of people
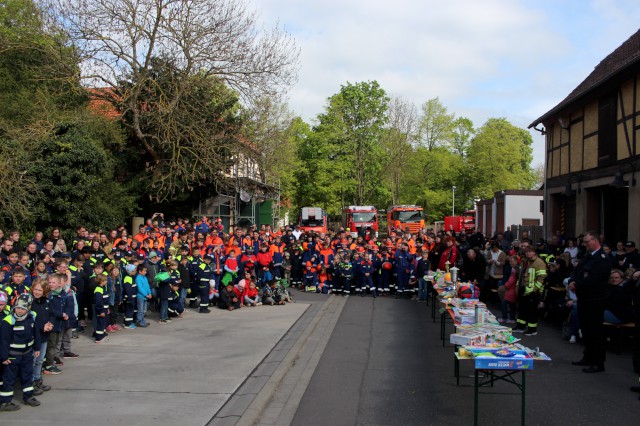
55	288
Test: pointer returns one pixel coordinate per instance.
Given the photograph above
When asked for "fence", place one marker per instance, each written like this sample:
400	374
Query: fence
534	232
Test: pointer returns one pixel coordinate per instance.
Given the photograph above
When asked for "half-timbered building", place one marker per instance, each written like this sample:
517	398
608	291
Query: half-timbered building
592	151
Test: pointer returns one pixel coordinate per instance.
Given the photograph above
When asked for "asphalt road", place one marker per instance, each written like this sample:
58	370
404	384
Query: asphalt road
385	365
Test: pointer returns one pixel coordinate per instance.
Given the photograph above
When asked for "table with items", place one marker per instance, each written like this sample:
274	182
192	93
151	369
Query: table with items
481	339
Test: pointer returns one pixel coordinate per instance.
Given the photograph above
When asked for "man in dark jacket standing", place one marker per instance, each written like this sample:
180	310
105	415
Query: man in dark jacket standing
589	282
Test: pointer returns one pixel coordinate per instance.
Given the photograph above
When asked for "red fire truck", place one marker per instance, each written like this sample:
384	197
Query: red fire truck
466	223
313	219
403	217
360	220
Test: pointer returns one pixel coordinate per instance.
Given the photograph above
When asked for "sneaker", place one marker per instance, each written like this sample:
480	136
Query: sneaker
259	304
531	333
52	369
9	406
31	402
42	386
116	327
37	391
131	326
162	321
573	339
143	324
580	333
70	355
103	340
58	361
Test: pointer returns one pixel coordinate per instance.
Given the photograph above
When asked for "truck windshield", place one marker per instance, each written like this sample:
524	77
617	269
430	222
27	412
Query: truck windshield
410	216
312	222
362	217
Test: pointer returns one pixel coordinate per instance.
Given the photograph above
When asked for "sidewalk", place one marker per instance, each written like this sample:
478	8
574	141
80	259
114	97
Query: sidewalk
179	373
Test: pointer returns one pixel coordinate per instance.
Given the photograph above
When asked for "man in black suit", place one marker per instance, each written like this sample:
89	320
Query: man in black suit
589	282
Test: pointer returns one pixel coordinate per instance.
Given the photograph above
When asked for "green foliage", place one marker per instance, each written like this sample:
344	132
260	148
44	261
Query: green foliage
350	133
499	157
76	176
187	126
436	125
38	71
407	163
275	132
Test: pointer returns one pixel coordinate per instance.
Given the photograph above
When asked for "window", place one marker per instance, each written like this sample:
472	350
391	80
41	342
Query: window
607	135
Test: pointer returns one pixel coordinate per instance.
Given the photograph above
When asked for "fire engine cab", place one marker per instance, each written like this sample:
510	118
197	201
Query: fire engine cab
403	217
361	221
313	219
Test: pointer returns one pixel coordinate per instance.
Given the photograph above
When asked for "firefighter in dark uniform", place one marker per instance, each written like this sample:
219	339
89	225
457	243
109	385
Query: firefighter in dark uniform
589	281
205	279
194	266
19	342
345	271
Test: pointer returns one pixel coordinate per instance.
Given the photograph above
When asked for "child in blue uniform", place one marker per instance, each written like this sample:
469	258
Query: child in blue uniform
130	296
19	342
101	301
176	308
310	279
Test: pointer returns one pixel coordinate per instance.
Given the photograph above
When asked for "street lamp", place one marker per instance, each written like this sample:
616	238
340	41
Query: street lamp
453	201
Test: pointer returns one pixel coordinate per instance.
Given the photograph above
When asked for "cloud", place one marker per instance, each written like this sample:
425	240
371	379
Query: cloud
493	58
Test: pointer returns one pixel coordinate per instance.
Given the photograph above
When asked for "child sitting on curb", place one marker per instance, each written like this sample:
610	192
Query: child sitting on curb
228	298
251	296
271	296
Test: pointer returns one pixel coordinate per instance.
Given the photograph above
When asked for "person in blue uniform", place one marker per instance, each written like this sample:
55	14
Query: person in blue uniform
101	303
130	296
589	281
367	276
16	285
176	308
310	279
345	271
402	260
205	280
19	343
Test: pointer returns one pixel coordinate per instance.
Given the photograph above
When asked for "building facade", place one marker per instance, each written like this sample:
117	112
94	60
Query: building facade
592	151
508	208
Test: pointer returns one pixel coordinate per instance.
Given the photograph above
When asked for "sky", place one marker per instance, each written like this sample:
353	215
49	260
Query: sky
483	59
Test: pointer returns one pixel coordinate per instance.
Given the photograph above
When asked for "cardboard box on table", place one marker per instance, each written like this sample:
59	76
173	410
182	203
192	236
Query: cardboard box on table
486	359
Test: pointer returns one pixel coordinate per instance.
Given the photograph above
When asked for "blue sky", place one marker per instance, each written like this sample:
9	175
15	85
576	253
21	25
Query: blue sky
485	58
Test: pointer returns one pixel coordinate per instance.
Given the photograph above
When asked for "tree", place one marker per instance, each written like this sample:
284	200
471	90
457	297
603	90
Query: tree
436	124
462	131
397	141
499	157
273	129
429	178
353	124
205	42
76	176
190	137
19	192
39	86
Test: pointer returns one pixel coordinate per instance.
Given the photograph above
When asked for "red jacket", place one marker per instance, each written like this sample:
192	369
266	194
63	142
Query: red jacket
264	259
239	291
451	254
510	286
251	292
